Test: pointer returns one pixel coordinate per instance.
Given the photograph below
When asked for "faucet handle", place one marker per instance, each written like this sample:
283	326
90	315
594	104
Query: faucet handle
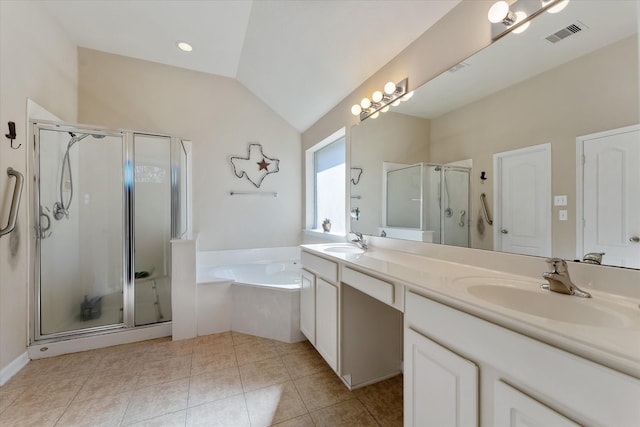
558	265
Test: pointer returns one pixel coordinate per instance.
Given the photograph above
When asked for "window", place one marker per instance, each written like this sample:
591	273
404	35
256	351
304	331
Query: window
326	176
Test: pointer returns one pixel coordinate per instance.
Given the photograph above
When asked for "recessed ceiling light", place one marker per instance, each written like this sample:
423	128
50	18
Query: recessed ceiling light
184	46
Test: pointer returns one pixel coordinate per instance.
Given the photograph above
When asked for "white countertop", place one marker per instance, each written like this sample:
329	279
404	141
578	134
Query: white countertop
613	342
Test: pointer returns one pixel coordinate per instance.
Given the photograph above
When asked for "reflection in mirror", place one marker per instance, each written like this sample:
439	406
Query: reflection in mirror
529	90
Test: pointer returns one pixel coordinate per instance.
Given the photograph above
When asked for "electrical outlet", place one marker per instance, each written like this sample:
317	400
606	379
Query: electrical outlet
560	201
563	215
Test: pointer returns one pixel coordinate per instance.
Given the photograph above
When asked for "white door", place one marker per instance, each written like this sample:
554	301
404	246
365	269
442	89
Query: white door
327	322
513	408
611	206
308	306
522	197
441	388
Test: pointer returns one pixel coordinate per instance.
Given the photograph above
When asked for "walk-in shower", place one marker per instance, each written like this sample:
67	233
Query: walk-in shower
105	204
430	198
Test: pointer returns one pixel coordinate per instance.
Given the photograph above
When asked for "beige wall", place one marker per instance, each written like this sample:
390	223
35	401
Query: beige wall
37	61
220	117
459	34
593	93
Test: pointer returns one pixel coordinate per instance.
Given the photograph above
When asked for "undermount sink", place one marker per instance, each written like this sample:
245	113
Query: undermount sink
344	249
510	294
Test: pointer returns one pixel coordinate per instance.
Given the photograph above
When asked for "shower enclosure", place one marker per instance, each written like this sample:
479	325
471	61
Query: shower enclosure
106	204
427	197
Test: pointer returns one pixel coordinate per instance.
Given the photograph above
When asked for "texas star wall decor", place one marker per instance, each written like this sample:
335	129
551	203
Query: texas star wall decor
256	166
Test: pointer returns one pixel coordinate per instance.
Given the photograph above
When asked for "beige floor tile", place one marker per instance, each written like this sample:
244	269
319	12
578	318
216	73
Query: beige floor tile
104	411
240	338
304	363
176	419
9	395
130	361
157	400
214	385
164	370
169	349
348	414
303	421
250	352
231	411
321	390
384	401
222	340
284	348
263	373
34	417
220	358
46	396
274	404
106	383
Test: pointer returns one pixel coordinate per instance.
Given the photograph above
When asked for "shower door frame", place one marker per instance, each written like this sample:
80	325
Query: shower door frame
128	220
442	191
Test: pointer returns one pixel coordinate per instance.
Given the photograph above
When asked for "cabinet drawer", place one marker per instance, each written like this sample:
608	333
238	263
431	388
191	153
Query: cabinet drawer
379	289
322	267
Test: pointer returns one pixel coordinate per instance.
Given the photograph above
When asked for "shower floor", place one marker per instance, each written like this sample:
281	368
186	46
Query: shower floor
152	305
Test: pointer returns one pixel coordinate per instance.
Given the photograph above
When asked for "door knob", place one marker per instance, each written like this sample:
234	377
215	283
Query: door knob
503	231
635	239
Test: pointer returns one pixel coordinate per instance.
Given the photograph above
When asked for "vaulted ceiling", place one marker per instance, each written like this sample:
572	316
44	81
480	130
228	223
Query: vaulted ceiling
300	57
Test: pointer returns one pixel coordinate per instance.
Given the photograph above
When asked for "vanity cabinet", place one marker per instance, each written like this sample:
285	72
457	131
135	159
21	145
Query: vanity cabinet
308	305
319	306
520	381
440	386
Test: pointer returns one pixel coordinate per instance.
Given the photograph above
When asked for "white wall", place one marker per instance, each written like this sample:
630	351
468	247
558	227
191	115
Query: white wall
221	117
37	61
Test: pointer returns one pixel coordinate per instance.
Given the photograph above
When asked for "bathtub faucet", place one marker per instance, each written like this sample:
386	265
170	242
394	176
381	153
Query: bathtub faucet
359	241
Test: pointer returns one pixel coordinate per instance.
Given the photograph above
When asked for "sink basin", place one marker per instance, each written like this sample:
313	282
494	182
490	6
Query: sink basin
344	249
510	294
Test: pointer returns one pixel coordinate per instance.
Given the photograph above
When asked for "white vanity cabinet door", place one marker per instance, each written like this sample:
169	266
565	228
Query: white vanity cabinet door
512	408
308	306
327	322
440	387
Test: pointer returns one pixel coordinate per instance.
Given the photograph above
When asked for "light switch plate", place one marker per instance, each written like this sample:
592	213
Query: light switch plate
560	201
563	215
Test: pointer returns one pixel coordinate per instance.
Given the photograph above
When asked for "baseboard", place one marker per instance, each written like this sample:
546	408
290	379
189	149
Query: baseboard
13	368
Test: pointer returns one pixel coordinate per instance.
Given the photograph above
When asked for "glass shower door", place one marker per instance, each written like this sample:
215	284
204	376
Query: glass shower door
455	213
80	230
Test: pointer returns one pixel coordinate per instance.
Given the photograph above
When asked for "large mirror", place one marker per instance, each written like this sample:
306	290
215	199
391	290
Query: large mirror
520	115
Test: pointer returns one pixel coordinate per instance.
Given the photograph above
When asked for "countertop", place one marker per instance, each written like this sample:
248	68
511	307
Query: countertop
610	337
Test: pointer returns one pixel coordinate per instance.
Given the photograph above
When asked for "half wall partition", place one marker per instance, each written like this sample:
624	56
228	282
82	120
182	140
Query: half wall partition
105	205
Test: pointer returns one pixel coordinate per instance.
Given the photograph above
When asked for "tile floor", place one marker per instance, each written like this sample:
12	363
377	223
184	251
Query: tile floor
227	379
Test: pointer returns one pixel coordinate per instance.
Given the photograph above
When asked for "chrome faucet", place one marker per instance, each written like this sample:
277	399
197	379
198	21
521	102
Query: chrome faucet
559	280
593	258
359	241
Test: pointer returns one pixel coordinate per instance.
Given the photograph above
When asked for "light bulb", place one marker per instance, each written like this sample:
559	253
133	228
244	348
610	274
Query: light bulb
375	115
499	12
365	103
376	96
389	88
557	8
396	102
385	109
519	17
356	109
184	46
407	96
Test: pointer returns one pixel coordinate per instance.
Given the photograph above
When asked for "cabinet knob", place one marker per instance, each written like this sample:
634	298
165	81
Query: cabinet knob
504	231
634	239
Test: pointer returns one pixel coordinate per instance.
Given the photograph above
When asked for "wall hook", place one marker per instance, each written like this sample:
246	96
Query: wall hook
12	134
483	177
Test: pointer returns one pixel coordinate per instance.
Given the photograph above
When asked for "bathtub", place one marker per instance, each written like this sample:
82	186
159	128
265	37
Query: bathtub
253	291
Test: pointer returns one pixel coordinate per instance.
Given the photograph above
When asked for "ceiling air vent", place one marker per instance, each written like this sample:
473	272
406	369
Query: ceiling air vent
566	32
458	67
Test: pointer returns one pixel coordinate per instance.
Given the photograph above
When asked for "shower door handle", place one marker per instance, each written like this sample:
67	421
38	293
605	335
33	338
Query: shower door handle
15	201
504	231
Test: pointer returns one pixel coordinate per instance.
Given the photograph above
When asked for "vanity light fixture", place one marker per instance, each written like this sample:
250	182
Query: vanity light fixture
517	16
381	101
184	46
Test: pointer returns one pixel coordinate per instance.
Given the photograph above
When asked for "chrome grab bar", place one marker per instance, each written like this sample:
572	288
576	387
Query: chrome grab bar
483	202
15	201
